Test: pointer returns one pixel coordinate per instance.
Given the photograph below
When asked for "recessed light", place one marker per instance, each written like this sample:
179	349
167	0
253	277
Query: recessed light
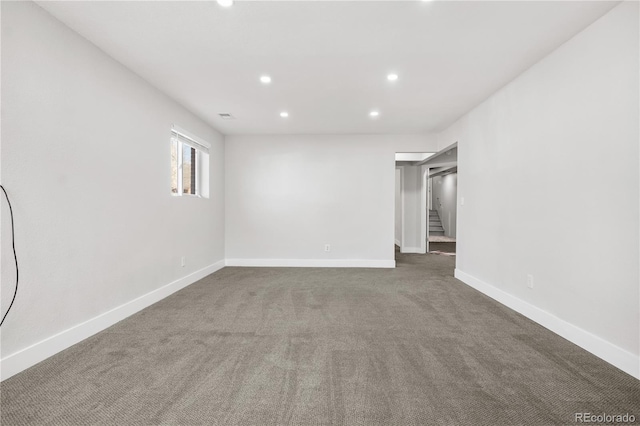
374	113
225	3
392	77
265	79
284	114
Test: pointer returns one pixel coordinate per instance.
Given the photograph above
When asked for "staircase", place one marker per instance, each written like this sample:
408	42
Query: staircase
435	226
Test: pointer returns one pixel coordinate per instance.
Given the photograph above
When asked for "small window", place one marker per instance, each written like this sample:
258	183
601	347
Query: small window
189	165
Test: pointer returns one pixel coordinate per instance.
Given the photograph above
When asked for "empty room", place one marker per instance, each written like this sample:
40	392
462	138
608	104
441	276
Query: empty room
320	212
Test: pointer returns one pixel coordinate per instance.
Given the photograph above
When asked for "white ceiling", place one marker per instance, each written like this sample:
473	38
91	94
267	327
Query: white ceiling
328	59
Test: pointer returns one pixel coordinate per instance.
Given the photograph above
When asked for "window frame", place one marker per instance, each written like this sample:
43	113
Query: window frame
180	139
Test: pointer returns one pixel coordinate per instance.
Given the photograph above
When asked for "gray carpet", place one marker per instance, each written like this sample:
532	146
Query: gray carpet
442	247
288	346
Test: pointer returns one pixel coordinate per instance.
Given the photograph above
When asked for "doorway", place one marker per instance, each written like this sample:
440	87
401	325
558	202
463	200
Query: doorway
442	190
426	201
411	202
443	212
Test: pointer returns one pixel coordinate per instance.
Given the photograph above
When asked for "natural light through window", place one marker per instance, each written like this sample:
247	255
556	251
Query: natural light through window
189	164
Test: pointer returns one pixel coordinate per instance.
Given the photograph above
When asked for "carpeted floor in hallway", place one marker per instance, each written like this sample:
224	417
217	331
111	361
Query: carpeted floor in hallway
312	346
449	247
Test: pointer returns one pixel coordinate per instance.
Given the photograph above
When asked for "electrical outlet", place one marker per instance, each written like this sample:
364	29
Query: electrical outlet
183	261
327	247
530	281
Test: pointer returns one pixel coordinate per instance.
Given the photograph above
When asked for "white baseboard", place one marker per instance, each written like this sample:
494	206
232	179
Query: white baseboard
412	250
614	355
313	263
50	346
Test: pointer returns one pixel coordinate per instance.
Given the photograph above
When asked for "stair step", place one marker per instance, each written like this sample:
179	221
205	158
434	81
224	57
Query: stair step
437	233
436	228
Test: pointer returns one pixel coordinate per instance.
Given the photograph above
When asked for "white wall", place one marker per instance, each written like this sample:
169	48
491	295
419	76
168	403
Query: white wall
444	194
548	167
288	196
86	161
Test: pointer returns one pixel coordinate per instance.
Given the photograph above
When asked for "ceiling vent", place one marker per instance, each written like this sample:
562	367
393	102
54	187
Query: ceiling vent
226	116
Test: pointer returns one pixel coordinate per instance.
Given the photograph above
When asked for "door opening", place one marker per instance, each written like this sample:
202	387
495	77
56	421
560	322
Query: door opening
443	213
411	199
